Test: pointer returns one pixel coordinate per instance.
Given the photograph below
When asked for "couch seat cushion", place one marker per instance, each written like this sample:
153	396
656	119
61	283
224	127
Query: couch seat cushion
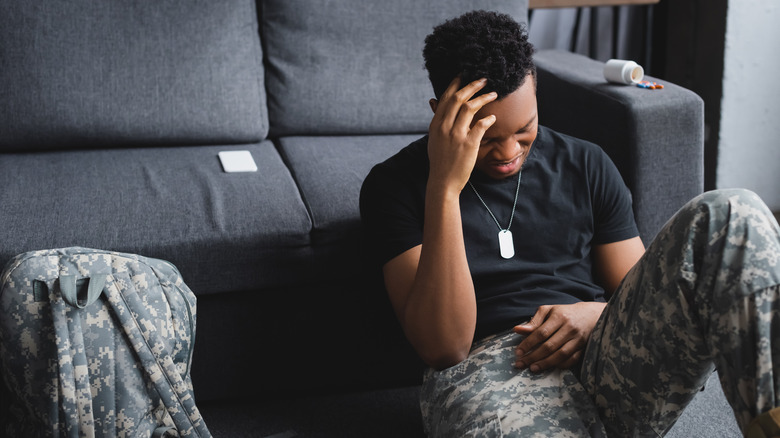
330	172
224	231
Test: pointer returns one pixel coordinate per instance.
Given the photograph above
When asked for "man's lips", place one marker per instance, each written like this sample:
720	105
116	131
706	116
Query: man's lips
505	166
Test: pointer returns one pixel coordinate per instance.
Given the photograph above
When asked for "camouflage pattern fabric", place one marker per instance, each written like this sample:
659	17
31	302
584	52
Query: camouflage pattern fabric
706	294
485	396
89	341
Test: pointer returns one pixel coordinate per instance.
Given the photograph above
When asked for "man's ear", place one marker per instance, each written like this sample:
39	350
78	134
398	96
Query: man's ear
434	104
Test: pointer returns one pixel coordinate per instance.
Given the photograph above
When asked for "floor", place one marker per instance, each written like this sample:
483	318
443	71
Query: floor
395	413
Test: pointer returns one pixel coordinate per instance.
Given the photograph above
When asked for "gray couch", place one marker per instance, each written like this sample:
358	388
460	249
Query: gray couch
111	117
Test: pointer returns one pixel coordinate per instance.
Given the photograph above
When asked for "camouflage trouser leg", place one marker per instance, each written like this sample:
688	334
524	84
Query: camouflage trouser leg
486	397
706	294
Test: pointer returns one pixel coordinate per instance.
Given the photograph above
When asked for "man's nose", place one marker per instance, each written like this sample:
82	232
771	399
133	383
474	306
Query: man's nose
507	148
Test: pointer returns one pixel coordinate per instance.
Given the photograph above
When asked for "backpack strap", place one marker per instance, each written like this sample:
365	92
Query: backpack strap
74	388
157	362
81	293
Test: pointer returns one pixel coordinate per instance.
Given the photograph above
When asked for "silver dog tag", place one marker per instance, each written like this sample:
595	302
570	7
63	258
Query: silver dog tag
506	244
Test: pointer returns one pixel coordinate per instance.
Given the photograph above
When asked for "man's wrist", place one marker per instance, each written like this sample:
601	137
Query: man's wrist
442	190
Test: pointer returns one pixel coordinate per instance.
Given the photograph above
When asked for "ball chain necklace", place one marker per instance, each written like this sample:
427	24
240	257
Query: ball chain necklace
505	242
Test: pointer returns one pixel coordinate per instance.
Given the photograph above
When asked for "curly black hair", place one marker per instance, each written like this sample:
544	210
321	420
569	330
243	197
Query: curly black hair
479	44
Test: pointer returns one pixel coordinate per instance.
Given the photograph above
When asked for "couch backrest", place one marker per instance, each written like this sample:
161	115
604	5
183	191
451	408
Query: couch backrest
354	67
118	73
84	73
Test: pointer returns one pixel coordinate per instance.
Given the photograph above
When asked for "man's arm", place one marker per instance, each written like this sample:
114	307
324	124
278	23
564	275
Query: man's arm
557	334
430	285
614	260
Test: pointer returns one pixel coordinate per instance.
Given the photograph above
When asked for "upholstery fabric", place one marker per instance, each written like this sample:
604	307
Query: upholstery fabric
655	137
330	172
354	67
171	203
80	73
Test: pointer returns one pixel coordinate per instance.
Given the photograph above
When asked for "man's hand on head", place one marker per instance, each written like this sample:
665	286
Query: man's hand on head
453	142
556	336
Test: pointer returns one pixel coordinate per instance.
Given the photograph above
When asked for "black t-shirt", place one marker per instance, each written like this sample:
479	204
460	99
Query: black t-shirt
571	197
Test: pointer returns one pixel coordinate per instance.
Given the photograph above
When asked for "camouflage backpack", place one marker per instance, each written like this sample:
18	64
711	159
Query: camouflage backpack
96	343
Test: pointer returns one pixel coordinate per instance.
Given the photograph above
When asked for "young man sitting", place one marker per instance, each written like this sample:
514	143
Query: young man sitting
512	260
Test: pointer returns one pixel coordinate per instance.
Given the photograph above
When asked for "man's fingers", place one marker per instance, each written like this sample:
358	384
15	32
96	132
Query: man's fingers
453	145
539	317
469	90
453	100
445	100
479	129
551	354
541	343
469	109
560	340
561	359
559	343
547	341
529	328
451	89
560	349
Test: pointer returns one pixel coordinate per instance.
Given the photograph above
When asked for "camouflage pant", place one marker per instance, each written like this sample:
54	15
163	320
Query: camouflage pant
706	294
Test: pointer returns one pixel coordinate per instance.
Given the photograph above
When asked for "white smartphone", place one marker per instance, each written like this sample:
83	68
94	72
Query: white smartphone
237	161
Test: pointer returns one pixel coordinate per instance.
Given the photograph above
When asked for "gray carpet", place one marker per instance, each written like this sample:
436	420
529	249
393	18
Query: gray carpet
708	416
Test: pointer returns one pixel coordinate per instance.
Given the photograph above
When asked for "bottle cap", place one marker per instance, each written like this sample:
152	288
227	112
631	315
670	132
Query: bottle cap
622	71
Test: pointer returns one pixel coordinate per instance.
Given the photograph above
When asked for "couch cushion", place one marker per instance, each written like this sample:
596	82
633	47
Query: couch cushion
172	203
330	172
354	67
81	73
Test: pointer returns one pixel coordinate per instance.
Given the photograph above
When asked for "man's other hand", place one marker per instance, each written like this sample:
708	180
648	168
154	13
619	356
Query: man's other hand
556	336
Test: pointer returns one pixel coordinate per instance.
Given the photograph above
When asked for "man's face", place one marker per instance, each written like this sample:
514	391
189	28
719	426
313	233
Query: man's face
506	144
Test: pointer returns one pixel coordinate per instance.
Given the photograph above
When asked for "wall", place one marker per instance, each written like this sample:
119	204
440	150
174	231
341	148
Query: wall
749	147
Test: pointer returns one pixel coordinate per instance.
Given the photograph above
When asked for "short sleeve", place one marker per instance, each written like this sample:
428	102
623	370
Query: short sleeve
612	203
392	208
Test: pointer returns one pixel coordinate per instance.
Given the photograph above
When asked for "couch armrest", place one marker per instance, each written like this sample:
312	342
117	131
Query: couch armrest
655	137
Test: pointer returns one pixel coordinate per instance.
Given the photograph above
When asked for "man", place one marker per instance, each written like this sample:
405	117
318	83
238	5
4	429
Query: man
500	242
